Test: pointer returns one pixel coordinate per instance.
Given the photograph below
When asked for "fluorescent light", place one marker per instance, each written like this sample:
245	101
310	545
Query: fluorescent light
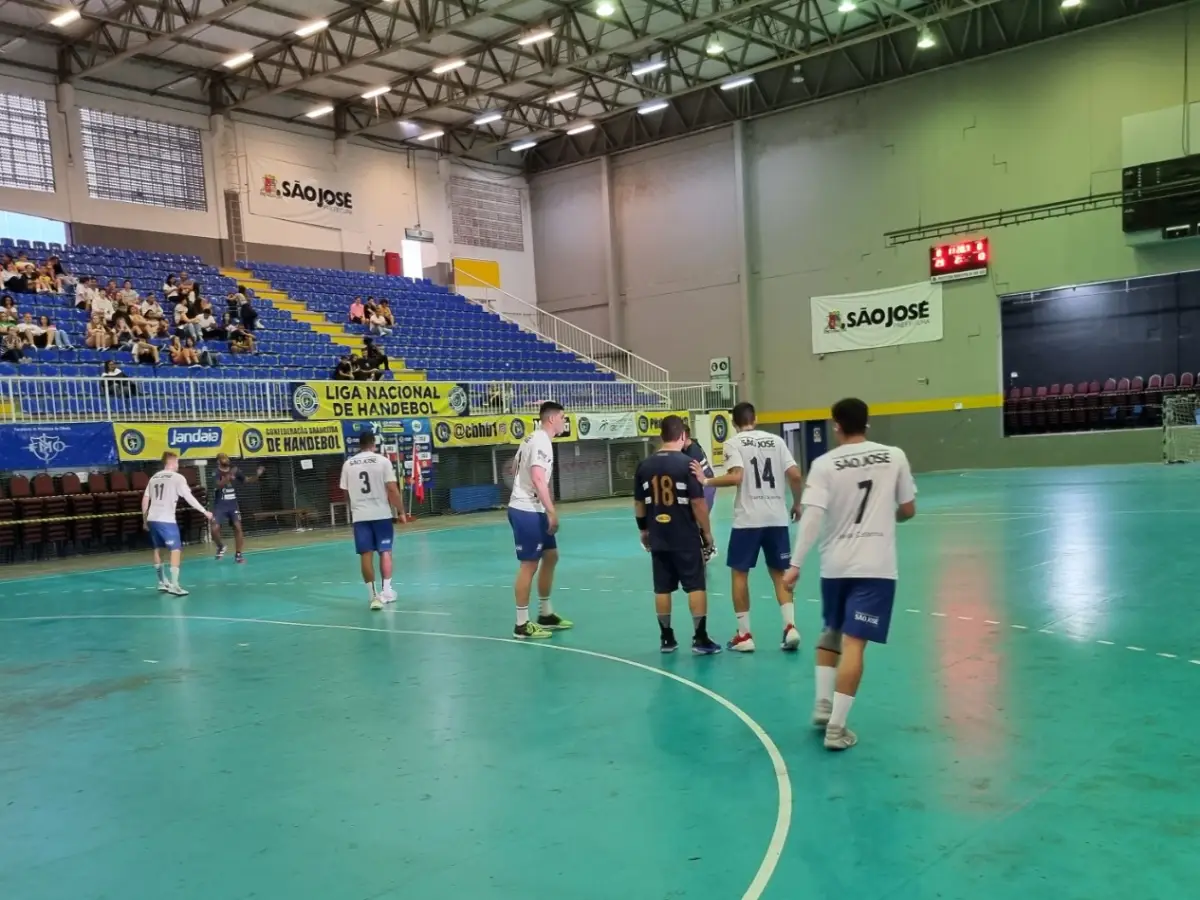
448	66
240	60
604	9
846	6
523	146
311	28
430	135
489	118
377	92
318	112
735	83
653	107
580	129
65	18
714	48
535	36
925	41
1071	4
647	67
560	98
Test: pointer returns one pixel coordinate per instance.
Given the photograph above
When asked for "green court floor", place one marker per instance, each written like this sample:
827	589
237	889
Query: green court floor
1029	733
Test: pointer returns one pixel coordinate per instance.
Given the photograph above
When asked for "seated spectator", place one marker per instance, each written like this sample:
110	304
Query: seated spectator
170	288
58	273
128	295
13	280
154	315
29	330
8	311
385	310
344	370
207	356
45	284
210	328
363	372
122	328
112	292
25	265
183	354
379	324
101	304
144	352
12	347
356	311
185	323
374	358
99	336
142	327
54	336
85	292
116	383
241	340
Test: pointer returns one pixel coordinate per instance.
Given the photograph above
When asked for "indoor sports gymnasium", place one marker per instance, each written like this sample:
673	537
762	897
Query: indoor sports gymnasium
244	243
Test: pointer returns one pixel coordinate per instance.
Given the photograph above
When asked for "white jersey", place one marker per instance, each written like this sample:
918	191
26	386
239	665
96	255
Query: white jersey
537	450
762	496
365	477
165	490
859	486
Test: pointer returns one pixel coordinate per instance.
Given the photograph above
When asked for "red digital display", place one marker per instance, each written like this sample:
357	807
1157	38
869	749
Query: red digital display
966	259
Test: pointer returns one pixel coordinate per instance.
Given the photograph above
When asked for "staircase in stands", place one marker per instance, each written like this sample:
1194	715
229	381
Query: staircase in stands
316	321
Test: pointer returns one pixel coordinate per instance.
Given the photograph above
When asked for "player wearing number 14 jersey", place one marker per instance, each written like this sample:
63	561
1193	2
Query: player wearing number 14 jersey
761	466
369	481
855	495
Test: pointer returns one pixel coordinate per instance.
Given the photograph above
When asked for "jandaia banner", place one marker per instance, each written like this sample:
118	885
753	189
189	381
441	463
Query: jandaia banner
291	439
142	441
486	431
378	399
649	423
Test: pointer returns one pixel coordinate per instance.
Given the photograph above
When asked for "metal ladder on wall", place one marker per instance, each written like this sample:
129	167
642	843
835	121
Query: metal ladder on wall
237	235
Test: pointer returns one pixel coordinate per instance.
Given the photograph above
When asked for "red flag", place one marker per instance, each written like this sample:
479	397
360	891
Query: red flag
420	479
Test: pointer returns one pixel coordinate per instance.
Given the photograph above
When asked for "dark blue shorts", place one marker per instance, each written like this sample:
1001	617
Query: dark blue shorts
744	544
374	536
226	515
710	497
165	536
531	534
859	607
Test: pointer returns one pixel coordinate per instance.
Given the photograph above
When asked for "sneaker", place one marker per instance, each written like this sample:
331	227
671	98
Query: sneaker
743	643
176	590
387	595
164	588
822	710
376	603
839	737
667	642
239	558
530	631
791	639
705	646
555	622
221	551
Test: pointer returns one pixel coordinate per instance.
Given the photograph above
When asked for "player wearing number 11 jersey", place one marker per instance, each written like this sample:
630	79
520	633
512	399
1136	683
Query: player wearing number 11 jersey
369	481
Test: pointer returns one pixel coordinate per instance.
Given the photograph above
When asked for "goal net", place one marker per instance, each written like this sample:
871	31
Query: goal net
1181	428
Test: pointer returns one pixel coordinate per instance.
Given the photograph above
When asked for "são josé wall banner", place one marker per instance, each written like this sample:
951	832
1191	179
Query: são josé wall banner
372	400
911	314
296	193
147	441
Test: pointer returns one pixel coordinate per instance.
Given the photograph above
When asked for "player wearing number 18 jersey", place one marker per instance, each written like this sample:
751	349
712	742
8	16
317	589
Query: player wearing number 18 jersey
369	481
856	493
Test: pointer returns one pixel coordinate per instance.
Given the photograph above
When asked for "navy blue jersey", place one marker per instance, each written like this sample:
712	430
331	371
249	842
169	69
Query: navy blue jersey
226	495
665	484
696	452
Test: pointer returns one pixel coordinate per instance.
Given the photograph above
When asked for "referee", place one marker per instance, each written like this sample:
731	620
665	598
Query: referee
672	516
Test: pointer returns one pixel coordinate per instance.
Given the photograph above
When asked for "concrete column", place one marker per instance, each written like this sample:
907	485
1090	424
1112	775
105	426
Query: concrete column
747	370
612	275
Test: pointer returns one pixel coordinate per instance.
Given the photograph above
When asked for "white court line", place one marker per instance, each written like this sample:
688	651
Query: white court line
783	815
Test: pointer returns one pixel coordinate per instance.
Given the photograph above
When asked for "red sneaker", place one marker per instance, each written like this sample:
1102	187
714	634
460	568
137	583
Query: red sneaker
742	643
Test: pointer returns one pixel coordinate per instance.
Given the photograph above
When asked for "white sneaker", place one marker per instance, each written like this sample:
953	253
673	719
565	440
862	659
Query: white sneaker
839	737
376	603
791	639
387	596
822	710
176	590
164	588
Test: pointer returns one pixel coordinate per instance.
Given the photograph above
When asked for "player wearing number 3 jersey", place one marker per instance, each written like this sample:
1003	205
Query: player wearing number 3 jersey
762	468
369	481
855	495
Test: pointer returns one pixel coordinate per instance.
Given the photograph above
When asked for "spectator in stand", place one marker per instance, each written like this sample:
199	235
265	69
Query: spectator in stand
344	370
54	336
116	383
25	265
374	359
100	303
58	273
44	283
144	352
123	329
356	311
99	336
170	289
128	295
185	323
8	311
13	280
241	340
379	324
385	310
12	346
154	315
112	292
29	330
85	292
207	356
210	328
181	354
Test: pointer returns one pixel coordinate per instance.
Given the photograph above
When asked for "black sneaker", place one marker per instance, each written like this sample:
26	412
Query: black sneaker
703	645
555	622
667	642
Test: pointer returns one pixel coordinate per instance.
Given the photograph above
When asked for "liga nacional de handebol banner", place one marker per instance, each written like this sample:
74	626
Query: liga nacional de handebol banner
903	315
378	400
296	193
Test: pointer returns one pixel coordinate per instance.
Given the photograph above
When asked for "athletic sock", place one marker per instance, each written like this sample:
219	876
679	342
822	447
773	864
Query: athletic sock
700	626
158	570
826	679
175	576
841	709
387	584
522	616
743	620
789	614
544	607
664	622
371	590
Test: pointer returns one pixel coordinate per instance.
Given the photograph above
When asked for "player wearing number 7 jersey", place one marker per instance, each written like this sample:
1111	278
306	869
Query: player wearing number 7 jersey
761	466
369	481
856	493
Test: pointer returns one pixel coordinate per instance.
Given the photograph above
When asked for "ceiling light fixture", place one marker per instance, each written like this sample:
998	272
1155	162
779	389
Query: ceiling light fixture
846	6
318	112
311	28
66	17
653	107
377	92
523	146
430	135
560	98
925	41
735	83
535	37
1071	4
241	59
604	9
489	118
714	48
647	67
448	66
580	129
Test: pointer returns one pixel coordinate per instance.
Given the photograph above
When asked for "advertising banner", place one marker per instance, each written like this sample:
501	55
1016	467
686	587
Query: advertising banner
649	424
911	314
596	426
144	441
374	400
719	426
486	431
25	447
263	439
519	428
296	193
